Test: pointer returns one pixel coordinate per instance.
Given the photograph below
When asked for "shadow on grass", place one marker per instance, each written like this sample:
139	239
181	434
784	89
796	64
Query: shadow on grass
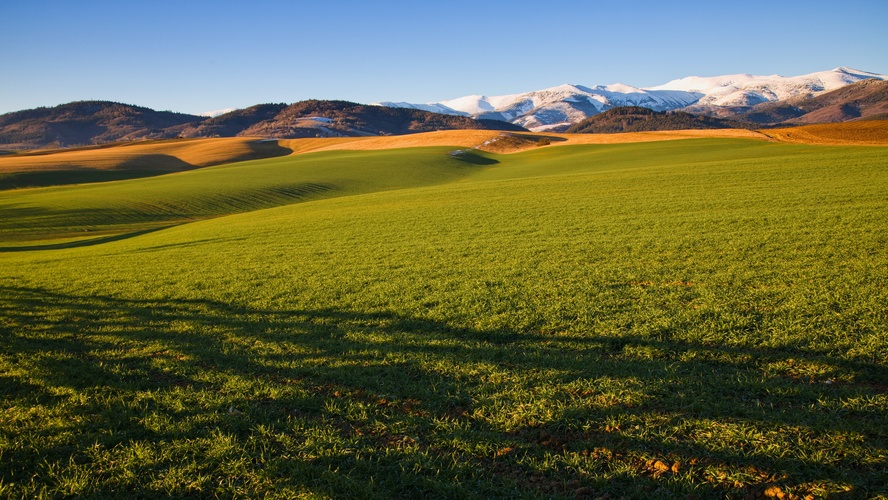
85	242
469	156
345	403
137	167
21	222
19	180
544	138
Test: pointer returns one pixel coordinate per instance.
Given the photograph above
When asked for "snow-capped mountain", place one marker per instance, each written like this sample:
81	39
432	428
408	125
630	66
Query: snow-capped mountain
749	90
218	112
558	107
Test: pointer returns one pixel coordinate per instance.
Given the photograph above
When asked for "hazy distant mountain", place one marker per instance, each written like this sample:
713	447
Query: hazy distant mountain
96	122
558	108
638	119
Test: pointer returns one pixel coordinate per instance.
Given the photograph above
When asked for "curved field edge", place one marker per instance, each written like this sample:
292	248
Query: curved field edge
696	318
174	155
152	158
191	153
34	217
133	205
128	160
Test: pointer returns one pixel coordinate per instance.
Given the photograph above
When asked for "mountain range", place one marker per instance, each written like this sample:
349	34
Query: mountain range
558	108
97	122
866	99
739	100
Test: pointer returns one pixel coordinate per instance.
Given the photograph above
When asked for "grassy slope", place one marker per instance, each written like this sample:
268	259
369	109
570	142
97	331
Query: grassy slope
135	205
141	159
698	317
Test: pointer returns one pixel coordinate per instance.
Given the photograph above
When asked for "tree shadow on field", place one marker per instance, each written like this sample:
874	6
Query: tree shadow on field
45	178
345	403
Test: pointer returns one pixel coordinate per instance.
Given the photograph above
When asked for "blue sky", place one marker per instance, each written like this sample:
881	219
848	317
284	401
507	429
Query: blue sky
194	56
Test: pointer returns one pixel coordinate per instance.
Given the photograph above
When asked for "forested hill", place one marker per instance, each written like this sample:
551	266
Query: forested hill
85	123
638	119
316	118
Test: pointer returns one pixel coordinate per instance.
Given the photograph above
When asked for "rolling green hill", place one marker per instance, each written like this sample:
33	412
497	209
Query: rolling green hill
212	192
688	318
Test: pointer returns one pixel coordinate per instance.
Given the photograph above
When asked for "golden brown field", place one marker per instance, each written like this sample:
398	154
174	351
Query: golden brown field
862	133
502	142
172	156
178	155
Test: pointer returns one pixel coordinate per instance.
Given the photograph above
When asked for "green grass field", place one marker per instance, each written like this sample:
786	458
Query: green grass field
685	319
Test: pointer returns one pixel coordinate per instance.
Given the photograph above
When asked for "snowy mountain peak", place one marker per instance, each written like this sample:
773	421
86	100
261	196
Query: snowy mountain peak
748	90
857	73
706	85
567	87
619	87
218	112
556	108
